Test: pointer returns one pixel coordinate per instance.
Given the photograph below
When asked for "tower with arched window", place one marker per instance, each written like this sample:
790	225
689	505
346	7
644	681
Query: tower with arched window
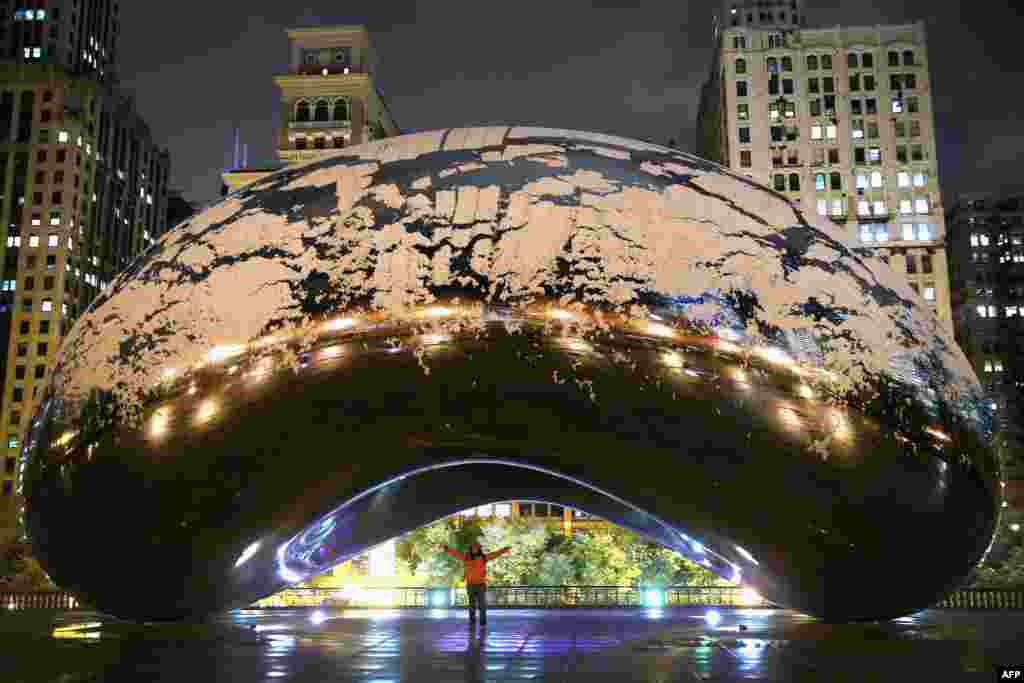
330	97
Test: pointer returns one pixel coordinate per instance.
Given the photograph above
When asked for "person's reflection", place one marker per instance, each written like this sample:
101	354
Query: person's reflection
476	664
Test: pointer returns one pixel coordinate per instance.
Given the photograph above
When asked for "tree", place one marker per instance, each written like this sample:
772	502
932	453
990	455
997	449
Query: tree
556	569
423	551
19	571
1004	565
528	542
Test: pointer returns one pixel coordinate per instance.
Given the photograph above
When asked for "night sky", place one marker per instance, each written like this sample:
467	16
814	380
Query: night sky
633	69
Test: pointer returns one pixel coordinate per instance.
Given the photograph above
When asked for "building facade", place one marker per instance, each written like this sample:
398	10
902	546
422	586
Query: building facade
83	190
78	35
986	253
330	96
840	121
330	99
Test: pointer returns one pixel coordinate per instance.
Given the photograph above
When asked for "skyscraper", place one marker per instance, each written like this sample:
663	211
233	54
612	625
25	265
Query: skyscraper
840	121
83	190
986	254
80	36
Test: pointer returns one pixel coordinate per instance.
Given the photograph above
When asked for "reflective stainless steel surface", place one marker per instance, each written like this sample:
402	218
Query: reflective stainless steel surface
334	356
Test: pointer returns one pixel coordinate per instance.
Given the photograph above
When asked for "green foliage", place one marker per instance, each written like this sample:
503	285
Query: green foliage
542	556
423	551
19	571
1004	566
556	569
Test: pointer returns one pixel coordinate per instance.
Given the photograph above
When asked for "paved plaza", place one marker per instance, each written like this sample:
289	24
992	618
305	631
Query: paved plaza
387	646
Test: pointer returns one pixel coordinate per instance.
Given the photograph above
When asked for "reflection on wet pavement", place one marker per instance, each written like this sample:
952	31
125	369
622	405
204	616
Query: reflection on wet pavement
387	646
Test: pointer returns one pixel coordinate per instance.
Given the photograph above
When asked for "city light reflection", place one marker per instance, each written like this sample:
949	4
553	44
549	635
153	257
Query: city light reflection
436	338
727	346
790	417
672	359
660	330
158	422
331	352
207	409
746	554
938	434
339	324
774	354
222	353
247	553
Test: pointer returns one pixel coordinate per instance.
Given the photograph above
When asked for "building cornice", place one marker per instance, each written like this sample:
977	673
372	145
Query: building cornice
325	31
341	84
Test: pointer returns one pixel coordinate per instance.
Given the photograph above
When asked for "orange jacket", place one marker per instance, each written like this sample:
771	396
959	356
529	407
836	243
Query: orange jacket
476	570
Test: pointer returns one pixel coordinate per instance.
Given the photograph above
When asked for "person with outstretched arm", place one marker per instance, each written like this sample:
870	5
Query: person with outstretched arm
474	564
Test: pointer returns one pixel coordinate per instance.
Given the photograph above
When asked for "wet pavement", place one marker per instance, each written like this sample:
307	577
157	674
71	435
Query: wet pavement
387	646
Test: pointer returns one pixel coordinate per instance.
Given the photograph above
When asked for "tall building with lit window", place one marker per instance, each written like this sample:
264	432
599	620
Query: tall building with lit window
78	35
83	190
837	119
330	98
986	254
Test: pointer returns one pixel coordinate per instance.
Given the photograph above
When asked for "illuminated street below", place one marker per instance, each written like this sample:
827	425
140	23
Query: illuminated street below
387	646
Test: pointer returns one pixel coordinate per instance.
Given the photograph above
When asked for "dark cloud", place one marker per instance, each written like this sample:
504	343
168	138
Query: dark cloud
629	68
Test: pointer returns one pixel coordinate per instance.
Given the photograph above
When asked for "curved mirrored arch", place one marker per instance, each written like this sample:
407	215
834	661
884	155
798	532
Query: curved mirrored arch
606	311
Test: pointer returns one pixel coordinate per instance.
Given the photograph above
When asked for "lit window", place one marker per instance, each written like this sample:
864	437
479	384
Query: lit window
837	207
874	154
71	244
1012	311
867	233
33	240
863	208
924	231
63	136
36	220
819	182
47	305
929	292
503	510
905	206
53	240
982	311
876	179
997	366
903	179
830	131
897	105
862	182
54	218
988	366
919	180
64	309
12	442
908	231
816	132
921	205
485	511
879	208
882	233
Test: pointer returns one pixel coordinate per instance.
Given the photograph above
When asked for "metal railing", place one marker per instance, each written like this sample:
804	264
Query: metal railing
516	597
525	597
984	598
55	600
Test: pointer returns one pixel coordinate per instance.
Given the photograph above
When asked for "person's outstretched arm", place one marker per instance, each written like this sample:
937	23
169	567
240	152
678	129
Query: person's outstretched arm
455	553
498	553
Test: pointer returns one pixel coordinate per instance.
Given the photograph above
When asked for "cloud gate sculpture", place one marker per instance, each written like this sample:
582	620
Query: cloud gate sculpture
355	347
